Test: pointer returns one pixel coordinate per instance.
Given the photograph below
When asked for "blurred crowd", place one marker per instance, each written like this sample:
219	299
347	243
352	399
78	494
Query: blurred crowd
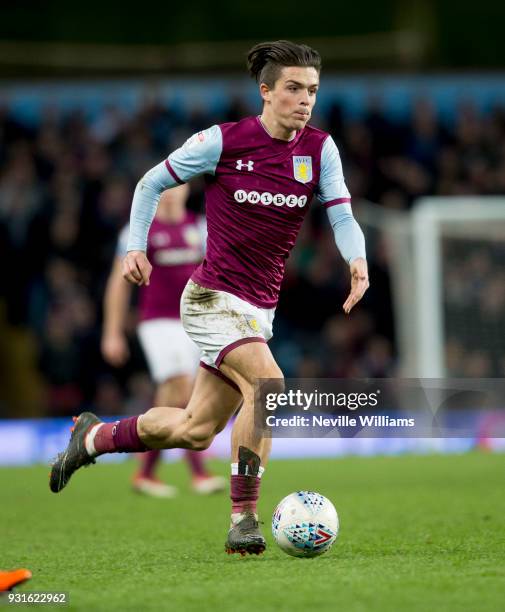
66	186
474	307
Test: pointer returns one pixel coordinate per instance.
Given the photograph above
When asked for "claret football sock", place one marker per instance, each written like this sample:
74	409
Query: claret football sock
245	482
118	437
99	440
196	464
148	461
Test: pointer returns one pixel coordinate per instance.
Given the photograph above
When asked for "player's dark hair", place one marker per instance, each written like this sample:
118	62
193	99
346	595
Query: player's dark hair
266	60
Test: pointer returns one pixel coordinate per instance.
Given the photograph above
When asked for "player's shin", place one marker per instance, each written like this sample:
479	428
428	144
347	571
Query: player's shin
245	483
251	449
244	536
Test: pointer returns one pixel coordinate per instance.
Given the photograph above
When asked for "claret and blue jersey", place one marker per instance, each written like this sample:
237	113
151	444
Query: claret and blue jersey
258	190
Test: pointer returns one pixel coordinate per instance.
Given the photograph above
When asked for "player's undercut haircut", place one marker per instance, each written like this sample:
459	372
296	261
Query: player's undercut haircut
266	60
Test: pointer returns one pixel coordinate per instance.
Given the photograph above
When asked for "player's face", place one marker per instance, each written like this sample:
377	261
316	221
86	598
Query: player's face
293	97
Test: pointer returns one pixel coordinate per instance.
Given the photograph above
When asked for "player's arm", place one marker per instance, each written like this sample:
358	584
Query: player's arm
114	344
199	155
333	193
116	302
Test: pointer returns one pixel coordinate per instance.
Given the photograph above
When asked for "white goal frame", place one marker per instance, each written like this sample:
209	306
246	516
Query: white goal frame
416	268
432	219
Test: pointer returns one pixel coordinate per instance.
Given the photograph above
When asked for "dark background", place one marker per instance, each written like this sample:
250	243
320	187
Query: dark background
399	35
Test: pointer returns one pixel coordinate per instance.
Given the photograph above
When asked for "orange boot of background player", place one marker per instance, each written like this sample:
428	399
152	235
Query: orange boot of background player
9	580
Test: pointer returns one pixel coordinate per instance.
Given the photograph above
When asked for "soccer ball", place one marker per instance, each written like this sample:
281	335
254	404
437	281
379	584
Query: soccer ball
305	524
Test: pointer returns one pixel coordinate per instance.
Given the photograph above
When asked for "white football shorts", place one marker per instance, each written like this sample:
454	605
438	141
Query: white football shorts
168	350
218	322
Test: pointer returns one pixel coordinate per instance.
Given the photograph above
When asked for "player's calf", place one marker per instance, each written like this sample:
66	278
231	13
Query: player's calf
175	428
197	438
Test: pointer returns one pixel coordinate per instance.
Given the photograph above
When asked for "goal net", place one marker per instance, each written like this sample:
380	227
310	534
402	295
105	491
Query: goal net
447	265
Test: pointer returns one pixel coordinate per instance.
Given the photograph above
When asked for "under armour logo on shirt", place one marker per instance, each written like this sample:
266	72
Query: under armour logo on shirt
249	165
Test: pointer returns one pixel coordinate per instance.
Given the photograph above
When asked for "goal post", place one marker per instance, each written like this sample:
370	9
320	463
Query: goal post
447	267
447	232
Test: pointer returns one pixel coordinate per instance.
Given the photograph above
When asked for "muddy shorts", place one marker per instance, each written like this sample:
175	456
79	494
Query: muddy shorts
218	321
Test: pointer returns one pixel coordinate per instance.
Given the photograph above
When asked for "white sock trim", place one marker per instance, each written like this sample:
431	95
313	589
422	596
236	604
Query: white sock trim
234	470
89	440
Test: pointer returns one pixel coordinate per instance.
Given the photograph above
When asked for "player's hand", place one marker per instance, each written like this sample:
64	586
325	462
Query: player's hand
115	349
136	268
359	283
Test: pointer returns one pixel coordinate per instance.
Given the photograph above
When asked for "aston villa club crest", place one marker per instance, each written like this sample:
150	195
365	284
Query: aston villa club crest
302	168
253	324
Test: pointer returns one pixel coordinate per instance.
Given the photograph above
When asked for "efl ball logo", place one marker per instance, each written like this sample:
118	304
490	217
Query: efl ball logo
266	198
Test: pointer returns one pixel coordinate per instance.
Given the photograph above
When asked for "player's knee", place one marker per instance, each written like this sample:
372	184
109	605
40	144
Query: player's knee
277	381
273	382
270	371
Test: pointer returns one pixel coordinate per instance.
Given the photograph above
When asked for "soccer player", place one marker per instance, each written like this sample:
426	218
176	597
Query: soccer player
175	246
261	174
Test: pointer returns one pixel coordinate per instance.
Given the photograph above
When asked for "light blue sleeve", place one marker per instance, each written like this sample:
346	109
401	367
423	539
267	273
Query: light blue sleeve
348	235
333	193
198	155
331	179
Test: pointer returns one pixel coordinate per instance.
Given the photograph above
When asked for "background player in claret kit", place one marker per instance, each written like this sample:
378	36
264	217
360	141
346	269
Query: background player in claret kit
176	244
261	175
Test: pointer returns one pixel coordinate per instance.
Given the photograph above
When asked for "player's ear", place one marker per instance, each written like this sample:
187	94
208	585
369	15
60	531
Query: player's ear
265	92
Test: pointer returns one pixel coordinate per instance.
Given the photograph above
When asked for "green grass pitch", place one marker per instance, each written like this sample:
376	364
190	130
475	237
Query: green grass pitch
417	533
